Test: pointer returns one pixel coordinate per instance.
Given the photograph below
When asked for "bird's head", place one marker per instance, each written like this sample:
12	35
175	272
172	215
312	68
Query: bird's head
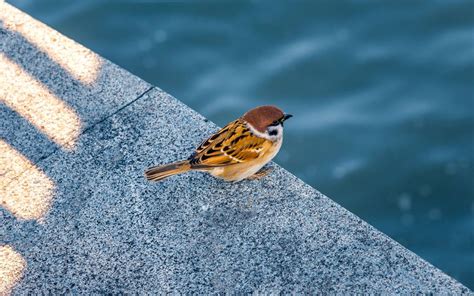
267	121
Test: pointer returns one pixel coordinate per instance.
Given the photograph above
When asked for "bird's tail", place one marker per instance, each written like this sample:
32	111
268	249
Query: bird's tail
158	173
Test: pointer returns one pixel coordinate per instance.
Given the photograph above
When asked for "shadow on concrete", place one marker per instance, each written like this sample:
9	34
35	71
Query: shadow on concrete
51	90
32	88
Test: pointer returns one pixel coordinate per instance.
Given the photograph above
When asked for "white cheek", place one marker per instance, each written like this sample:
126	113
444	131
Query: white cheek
275	132
265	135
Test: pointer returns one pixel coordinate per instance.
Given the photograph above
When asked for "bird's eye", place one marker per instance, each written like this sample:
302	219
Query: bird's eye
275	123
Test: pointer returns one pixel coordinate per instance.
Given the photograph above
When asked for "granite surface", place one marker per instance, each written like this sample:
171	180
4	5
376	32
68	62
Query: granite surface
108	230
38	70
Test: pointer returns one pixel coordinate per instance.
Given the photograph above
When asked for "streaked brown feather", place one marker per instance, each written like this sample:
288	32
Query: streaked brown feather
233	144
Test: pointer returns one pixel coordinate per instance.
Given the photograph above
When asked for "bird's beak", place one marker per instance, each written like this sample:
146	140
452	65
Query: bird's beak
287	116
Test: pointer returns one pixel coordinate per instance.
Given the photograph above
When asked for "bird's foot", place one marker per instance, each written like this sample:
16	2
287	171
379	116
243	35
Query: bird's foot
260	174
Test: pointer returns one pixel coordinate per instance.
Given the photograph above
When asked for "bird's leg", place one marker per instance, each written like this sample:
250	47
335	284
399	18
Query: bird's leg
260	174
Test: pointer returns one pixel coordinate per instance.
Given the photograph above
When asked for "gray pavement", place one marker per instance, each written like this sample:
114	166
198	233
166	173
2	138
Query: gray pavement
108	230
36	65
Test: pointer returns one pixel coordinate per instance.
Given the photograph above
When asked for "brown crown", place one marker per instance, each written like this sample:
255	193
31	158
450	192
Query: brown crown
261	117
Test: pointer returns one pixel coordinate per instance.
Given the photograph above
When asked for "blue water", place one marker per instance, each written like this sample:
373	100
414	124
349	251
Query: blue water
382	93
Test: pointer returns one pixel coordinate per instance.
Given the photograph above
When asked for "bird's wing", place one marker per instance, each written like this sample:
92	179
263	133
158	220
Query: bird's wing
233	144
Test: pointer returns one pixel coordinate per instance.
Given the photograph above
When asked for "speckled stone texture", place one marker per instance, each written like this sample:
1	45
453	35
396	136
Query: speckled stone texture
65	71
109	231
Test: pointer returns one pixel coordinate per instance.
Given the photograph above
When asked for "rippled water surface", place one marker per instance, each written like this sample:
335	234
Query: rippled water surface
382	93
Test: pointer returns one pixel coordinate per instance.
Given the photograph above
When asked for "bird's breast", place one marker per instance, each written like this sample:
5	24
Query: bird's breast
243	170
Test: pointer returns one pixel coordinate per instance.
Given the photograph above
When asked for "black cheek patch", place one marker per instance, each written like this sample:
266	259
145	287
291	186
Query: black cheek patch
273	132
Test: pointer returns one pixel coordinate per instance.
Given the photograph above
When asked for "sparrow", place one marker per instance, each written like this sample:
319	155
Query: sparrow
237	151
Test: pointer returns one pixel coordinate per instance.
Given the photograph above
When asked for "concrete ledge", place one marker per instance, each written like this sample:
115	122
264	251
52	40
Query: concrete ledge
107	230
52	88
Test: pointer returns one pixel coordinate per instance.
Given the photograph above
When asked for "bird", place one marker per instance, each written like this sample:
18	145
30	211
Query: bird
236	152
